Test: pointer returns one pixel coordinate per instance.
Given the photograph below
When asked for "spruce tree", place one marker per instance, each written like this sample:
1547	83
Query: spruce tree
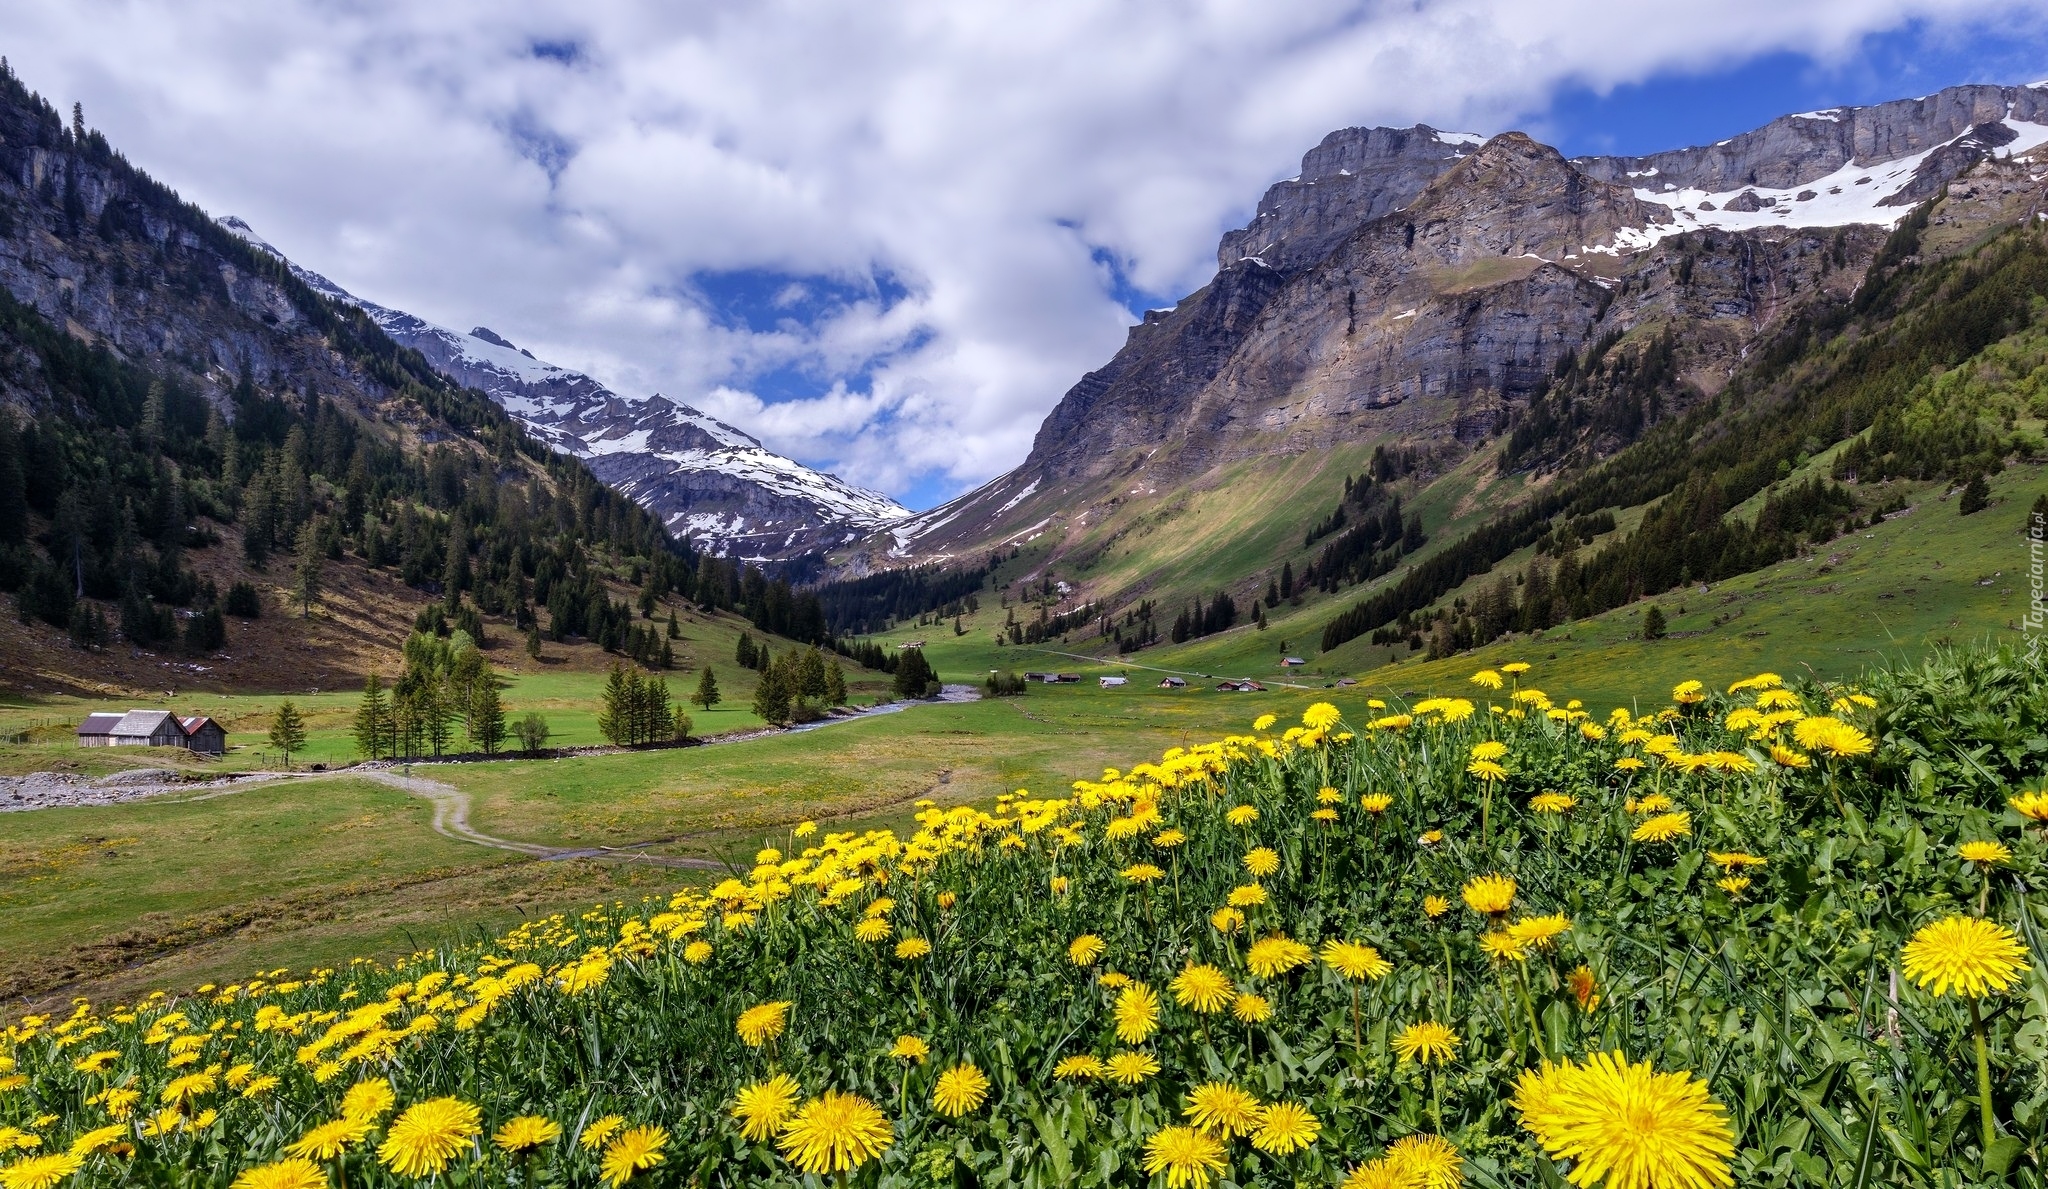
772	697
707	694
1976	495
486	718
1653	623
613	713
306	575
660	711
373	720
835	685
287	731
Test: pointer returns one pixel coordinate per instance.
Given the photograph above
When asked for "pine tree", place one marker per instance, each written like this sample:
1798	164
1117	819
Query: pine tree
613	713
2037	518
675	630
486	726
835	685
660	711
772	697
743	655
1976	495
1653	623
306	577
1286	579
287	731
436	716
373	720
810	674
707	690
533	640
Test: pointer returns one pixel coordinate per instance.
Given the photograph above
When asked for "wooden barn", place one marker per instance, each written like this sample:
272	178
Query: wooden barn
205	736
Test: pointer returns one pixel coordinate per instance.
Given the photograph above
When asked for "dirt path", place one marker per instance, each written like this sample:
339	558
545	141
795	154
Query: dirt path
451	820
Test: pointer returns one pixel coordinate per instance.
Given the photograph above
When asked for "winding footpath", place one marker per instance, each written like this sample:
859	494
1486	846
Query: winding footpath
451	820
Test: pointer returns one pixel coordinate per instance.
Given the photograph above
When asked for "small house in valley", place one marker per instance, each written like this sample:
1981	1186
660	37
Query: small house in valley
152	728
1173	683
1112	682
205	736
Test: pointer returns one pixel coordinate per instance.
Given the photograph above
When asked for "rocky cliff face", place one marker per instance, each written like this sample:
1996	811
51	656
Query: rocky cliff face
1417	288
710	484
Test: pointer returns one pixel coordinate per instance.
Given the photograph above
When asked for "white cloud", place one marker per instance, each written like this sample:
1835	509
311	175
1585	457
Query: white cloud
561	172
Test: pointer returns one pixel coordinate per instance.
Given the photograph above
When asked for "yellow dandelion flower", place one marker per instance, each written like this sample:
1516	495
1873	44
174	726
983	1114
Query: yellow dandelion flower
1286	1127
368	1101
1665	827
1583	987
635	1151
1375	802
1131	1068
1321	716
1427	1042
1435	906
1202	988
696	952
1261	861
1833	736
1984	853
910	1048
1137	1013
1540	932
1168	839
1966	956
1250	1008
1503	946
329	1140
1220	1108
1242	815
1079	1069
910	949
1734	885
1688	693
1427	1162
1085	949
1487	770
1249	895
2031	805
1188	1158
1355	960
1489	895
763	1107
429	1135
1486	678
1113	980
836	1132
1552	803
1626	1124
1628	764
763	1022
873	929
526	1133
1491	749
960	1090
599	1130
1142	873
1227	920
1271	957
192	1085
1264	722
293	1173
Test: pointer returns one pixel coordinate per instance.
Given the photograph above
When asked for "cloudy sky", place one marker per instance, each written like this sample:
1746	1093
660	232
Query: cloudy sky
885	238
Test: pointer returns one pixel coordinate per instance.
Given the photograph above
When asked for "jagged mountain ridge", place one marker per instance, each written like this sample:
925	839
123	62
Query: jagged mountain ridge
708	482
1416	286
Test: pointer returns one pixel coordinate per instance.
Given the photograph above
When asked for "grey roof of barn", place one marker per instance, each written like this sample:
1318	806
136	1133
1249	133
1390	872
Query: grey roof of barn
145	723
99	724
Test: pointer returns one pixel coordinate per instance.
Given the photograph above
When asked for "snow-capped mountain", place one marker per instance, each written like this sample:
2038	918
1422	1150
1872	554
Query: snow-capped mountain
711	484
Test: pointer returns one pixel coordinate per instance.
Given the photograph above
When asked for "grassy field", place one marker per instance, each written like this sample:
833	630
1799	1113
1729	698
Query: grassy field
177	890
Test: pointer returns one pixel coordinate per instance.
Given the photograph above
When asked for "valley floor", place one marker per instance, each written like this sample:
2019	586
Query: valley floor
191	886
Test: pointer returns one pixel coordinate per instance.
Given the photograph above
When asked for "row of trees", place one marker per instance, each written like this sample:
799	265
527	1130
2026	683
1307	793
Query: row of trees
446	683
800	684
636	710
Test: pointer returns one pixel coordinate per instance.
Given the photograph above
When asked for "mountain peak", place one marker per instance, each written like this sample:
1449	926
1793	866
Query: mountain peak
709	482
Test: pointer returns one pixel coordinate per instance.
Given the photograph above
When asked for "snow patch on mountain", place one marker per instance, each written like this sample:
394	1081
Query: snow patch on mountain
710	483
1855	193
